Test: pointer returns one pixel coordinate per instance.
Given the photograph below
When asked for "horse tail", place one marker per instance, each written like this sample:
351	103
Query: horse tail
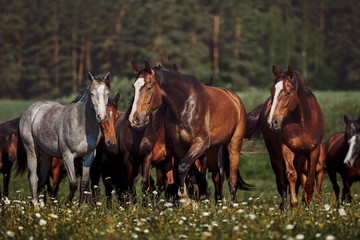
241	184
21	161
252	122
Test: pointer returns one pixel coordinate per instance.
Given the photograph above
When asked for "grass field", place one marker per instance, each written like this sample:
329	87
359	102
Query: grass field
256	214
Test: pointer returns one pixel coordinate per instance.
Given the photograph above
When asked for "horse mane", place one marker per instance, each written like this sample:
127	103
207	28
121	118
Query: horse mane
82	93
302	83
252	123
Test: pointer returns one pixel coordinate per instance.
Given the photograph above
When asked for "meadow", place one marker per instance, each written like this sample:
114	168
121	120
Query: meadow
255	215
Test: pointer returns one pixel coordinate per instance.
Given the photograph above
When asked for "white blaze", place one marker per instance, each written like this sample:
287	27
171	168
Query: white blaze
278	87
352	143
140	82
102	105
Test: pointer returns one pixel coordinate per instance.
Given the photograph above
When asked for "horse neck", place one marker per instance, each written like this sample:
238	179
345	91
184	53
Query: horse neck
304	107
176	92
86	111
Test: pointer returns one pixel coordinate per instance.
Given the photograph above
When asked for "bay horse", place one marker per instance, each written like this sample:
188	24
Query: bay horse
9	132
342	156
68	131
126	155
292	125
199	117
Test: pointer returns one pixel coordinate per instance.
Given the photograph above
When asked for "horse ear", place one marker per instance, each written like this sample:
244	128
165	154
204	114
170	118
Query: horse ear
346	120
135	67
174	68
148	68
107	79
91	78
116	100
275	71
290	72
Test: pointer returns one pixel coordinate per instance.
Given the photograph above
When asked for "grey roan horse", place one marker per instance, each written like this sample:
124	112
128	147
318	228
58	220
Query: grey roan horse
51	129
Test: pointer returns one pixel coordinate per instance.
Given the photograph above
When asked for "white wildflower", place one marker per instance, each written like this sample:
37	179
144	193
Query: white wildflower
169	205
289	227
317	235
10	233
98	203
206	214
53	216
327	207
236	228
330	237
252	216
38	215
299	237
342	212
134	235
42	222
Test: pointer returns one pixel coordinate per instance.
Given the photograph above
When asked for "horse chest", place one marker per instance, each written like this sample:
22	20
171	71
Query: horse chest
353	172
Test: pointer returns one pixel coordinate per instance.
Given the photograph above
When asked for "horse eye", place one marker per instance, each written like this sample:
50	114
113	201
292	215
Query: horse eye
148	89
287	93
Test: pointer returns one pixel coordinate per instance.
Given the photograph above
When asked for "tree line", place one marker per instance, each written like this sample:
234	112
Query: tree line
47	47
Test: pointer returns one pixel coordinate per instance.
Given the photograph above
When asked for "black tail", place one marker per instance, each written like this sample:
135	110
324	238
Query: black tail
241	184
252	122
21	161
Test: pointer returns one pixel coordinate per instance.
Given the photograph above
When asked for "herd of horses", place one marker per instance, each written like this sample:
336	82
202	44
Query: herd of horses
184	129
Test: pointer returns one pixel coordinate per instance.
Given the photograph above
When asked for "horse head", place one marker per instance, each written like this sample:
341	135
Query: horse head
147	95
352	136
108	127
284	97
12	146
99	90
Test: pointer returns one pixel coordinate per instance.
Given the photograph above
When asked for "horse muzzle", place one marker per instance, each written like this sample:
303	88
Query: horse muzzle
138	123
274	125
101	120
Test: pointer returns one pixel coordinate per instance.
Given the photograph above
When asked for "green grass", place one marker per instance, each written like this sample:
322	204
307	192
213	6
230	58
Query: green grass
257	215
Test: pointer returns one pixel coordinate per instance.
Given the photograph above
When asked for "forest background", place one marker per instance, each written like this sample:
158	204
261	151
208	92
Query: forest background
47	47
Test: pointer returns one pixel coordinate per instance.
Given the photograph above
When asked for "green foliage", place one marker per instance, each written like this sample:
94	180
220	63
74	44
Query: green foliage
47	47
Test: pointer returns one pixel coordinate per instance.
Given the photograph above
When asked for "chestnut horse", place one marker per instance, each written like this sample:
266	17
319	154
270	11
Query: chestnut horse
9	132
342	156
292	125
199	117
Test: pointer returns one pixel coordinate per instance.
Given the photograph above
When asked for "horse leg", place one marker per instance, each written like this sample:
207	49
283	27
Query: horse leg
46	161
303	181
146	173
281	182
319	180
346	194
332	176
309	185
7	176
234	149
291	173
56	181
85	179
70	168
198	148
95	171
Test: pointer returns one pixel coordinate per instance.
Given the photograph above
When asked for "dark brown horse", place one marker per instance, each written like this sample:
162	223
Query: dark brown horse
342	156
199	117
292	125
9	132
124	157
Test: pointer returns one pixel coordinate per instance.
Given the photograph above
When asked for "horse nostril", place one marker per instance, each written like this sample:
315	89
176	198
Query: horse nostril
136	120
275	123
